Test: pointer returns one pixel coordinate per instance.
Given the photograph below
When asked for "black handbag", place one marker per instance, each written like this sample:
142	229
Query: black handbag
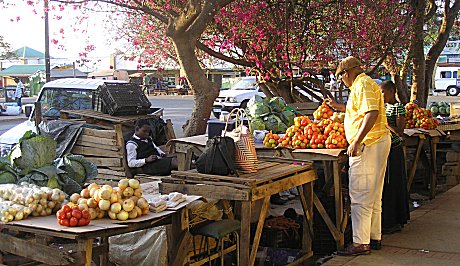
217	158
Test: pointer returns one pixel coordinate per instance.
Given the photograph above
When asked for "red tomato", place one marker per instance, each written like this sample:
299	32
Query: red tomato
314	146
68	215
60	221
75	208
66	208
65	222
73	222
76	214
82	222
60	214
304	122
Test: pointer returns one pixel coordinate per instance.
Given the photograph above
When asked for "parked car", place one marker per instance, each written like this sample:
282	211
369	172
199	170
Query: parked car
237	96
57	95
446	81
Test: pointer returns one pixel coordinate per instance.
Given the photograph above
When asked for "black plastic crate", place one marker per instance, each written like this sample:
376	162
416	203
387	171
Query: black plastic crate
124	99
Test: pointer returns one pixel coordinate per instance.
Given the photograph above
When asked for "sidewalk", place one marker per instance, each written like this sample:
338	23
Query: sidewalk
431	238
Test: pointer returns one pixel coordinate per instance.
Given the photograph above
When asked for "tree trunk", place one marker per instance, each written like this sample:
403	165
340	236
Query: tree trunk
450	14
418	59
401	88
204	91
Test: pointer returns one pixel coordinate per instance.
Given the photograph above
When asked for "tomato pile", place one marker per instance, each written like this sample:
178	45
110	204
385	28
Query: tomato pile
323	112
73	216
417	117
271	140
324	133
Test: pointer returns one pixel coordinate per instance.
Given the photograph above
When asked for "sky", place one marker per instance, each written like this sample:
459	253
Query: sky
21	27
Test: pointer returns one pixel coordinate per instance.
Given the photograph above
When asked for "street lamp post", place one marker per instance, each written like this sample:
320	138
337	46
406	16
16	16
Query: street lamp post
47	44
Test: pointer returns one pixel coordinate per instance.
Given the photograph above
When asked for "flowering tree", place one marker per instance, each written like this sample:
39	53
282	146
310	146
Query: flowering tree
285	42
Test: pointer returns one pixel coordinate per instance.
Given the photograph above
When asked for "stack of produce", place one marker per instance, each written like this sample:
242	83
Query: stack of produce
439	108
32	160
119	203
19	201
270	114
417	117
73	216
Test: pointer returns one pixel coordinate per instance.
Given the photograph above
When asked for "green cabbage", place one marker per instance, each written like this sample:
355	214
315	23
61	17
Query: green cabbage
78	168
6	177
32	153
287	117
257	124
274	124
434	109
258	109
257	99
277	104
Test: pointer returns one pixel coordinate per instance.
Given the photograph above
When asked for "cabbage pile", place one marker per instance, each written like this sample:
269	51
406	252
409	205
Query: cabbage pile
270	114
33	160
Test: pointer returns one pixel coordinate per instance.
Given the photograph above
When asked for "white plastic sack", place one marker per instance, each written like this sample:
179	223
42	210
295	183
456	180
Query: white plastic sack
141	248
12	110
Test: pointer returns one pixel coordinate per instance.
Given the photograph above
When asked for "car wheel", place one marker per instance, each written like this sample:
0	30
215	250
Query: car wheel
452	91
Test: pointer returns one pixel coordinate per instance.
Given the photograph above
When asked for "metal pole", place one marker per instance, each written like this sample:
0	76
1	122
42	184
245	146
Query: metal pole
74	74
47	44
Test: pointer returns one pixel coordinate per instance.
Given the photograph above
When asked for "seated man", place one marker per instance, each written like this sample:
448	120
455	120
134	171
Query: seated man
143	156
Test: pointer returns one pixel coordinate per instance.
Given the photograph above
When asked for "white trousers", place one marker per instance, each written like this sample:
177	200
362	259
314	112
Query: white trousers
366	174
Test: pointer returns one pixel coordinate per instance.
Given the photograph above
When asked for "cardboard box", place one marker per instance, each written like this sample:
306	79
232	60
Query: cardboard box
454	109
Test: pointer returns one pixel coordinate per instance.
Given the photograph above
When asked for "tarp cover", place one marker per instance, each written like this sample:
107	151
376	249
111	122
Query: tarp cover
143	248
65	133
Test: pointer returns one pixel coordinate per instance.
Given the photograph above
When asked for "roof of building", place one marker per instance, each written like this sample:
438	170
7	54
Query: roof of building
27	52
22	70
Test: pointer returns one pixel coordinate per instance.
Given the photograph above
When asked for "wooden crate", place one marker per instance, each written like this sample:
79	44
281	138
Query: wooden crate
454	109
450	169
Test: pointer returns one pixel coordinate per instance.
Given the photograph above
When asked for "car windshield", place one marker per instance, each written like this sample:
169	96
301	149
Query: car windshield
245	84
53	100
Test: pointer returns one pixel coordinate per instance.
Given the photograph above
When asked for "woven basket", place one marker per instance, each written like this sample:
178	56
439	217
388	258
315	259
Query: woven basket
245	148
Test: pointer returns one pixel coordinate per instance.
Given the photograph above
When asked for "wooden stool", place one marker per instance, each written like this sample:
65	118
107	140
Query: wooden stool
218	230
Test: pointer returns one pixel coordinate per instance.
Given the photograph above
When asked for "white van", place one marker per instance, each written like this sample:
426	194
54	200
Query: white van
446	80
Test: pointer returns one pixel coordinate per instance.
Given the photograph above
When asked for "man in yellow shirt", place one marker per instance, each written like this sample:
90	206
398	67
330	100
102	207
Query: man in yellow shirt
369	139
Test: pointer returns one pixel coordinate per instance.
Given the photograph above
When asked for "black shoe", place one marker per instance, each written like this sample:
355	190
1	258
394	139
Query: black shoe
277	200
376	244
352	250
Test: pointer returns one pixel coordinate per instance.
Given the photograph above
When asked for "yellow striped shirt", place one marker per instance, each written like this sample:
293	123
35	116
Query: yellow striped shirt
365	96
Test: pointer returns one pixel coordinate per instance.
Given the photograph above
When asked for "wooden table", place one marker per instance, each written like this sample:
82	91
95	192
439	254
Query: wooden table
417	138
91	241
272	177
185	148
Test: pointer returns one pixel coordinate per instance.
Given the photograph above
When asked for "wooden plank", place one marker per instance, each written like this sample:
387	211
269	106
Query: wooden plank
121	143
258	233
108	134
102	161
338	201
189	180
453	156
245	232
414	163
283	184
96	152
110	172
319	206
99	146
217	192
184	245
197	176
88	251
98	140
301	260
34	251
272	173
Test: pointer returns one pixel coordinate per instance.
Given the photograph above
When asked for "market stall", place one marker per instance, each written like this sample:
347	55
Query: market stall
331	159
417	138
272	177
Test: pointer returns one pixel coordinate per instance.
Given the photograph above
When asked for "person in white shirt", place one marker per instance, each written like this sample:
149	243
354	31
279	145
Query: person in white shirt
143	156
19	91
